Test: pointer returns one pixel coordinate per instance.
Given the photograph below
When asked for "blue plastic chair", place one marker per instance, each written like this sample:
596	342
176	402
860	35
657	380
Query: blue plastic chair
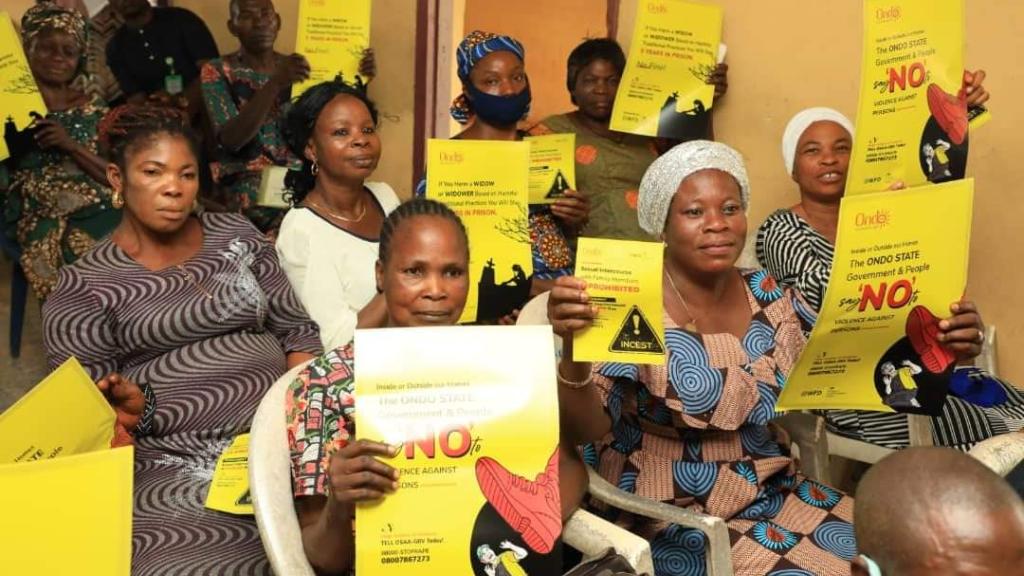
19	289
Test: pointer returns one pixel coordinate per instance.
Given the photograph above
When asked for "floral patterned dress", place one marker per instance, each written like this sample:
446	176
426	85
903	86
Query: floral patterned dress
693	432
53	209
227	86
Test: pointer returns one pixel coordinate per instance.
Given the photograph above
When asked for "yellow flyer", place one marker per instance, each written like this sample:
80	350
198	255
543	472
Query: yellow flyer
19	95
624	280
486	184
229	488
900	261
476	414
552	166
912	118
664	91
332	35
62	415
83	502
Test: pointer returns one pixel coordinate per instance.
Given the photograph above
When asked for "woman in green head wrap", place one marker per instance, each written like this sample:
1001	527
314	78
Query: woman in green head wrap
53	190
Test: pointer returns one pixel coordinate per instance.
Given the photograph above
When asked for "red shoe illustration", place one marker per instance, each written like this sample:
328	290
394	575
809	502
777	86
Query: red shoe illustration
533	509
950	112
923	331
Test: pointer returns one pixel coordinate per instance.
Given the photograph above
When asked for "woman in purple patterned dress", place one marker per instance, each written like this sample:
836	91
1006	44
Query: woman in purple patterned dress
184	321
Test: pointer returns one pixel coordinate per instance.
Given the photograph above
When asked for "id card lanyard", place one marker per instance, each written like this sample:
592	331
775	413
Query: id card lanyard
173	83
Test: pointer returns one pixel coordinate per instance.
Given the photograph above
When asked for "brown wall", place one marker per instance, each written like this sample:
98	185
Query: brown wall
786	55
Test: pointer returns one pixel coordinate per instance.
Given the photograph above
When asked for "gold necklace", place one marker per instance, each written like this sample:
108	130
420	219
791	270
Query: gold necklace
692	324
334	214
188	276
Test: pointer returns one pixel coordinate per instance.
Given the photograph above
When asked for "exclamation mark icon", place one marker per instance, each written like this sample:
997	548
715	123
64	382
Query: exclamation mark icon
636	324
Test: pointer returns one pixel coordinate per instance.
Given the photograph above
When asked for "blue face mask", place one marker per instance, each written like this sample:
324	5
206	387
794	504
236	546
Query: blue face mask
499	110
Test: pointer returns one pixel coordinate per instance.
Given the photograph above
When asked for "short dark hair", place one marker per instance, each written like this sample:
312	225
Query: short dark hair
411	209
128	126
589	51
298	124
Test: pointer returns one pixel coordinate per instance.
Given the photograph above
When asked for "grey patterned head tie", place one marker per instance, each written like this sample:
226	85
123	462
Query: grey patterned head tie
662	179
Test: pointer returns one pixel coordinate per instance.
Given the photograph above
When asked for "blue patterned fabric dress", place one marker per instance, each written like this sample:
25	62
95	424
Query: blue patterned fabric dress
693	432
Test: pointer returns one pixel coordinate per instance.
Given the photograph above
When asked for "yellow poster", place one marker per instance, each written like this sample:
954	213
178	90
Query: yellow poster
476	415
900	261
62	415
19	95
912	120
552	166
229	488
624	281
69	515
486	183
664	90
332	35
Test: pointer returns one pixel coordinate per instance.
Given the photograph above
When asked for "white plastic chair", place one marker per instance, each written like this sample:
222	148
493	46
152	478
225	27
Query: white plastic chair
270	483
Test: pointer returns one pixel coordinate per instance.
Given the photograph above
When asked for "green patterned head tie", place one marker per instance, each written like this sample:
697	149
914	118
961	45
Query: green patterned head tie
49	16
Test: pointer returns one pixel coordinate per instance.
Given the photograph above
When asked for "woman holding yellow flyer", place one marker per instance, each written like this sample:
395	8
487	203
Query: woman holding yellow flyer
796	245
609	165
422	273
495	98
694	431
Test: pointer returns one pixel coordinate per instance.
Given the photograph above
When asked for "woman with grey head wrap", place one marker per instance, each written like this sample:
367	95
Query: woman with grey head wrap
693	431
796	246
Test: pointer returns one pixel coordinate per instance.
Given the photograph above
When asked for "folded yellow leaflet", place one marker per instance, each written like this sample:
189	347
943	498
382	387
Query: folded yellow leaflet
272	190
912	118
552	166
19	95
486	183
624	280
68	516
229	488
664	90
900	262
62	415
476	416
332	35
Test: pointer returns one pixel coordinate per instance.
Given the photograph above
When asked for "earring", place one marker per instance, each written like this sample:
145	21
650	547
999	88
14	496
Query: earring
314	169
116	200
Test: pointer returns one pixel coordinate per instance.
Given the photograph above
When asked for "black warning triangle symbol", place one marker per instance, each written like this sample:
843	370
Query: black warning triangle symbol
636	335
244	499
558	186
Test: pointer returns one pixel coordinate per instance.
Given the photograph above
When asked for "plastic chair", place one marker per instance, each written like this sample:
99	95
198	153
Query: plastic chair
270	484
19	290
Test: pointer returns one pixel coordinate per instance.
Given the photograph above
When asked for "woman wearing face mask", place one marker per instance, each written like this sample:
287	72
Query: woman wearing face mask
796	245
184	321
328	241
54	189
422	275
495	97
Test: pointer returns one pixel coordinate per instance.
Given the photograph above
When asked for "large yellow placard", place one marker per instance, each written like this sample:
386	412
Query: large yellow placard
486	184
900	262
332	35
62	415
664	90
68	516
19	95
476	415
624	281
912	119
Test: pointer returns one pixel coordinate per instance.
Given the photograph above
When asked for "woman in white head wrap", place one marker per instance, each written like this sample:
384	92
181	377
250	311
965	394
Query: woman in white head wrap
693	431
796	244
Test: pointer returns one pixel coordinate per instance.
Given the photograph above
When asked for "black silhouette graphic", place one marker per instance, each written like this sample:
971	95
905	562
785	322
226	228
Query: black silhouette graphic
941	159
636	335
683	125
490	529
494	299
904	386
558	186
20	142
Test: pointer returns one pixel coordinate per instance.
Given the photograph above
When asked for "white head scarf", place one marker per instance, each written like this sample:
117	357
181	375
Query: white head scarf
801	122
662	179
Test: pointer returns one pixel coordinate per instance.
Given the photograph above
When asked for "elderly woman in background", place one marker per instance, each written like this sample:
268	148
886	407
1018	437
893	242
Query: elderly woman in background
796	246
495	98
185	321
246	93
694	431
328	242
56	185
